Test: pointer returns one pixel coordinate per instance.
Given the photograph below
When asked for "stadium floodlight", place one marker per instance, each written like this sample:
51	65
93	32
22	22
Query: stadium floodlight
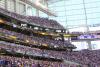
40	7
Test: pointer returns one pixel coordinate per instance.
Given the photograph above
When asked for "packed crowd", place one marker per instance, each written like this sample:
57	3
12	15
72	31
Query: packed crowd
85	57
30	51
44	22
35	40
7	61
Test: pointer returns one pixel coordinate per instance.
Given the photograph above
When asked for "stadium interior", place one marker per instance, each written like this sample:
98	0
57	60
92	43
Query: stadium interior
49	33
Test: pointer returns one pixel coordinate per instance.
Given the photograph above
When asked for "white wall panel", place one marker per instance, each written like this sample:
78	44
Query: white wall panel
2	3
11	5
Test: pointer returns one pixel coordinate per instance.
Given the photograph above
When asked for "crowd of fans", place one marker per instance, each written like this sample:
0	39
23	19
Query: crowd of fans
86	58
44	22
34	40
7	61
83	57
30	51
91	58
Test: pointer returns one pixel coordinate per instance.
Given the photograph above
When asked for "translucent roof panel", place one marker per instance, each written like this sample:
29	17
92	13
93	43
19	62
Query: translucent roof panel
76	12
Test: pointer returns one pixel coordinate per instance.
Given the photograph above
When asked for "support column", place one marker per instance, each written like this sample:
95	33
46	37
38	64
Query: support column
6	4
89	45
16	6
46	3
37	12
26	6
87	27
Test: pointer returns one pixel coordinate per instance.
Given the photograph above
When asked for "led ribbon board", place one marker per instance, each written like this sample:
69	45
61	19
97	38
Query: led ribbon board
87	36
